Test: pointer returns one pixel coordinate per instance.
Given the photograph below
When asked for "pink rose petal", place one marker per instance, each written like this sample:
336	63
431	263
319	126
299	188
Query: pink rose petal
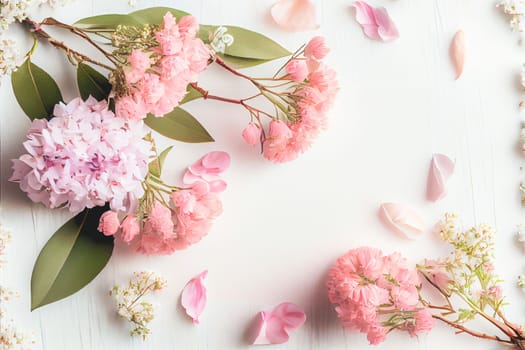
273	327
375	22
207	169
402	219
295	15
457	53
216	161
441	169
194	298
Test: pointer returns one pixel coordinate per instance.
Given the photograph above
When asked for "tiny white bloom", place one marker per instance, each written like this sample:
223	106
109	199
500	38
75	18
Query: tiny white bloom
220	40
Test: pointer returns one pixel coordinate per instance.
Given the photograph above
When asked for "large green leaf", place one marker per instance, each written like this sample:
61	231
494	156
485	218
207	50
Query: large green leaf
92	83
241	62
155	166
72	257
179	125
36	92
248	44
110	22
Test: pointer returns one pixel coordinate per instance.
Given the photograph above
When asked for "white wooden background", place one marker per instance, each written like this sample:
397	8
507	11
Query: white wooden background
283	225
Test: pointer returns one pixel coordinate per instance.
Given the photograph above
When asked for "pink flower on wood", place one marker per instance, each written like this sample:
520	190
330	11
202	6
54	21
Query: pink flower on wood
376	22
274	327
295	15
194	296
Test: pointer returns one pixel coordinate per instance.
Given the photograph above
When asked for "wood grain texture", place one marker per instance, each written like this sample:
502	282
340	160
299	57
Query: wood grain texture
283	225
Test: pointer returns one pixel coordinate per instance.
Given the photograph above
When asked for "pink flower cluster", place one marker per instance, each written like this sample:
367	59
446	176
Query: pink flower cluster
157	78
375	294
84	157
313	95
164	230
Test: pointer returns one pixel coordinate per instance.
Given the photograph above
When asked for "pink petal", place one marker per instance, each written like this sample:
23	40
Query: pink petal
295	15
386	28
193	297
216	161
375	22
441	169
273	327
457	52
402	219
292	315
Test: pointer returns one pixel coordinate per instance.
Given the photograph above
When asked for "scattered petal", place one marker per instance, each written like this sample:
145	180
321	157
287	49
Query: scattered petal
194	298
402	219
457	52
375	21
273	327
207	169
441	169
295	15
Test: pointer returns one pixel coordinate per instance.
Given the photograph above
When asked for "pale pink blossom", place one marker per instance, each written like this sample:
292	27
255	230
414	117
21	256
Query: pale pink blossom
157	77
194	296
297	70
109	223
84	157
274	327
130	228
252	134
424	322
375	21
316	49
295	15
437	273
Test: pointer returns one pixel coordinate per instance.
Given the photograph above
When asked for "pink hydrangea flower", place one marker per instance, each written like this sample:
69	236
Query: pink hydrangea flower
84	157
109	223
157	77
369	290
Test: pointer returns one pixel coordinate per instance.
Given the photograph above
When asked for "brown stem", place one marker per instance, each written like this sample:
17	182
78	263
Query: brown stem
223	64
35	28
463	329
53	22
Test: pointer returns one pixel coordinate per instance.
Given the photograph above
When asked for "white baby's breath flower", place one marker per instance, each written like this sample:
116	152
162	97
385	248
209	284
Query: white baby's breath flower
521	281
515	9
10	57
220	40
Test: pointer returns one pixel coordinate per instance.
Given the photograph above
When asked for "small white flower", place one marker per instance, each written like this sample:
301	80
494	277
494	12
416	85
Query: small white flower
515	9
521	281
219	41
10	57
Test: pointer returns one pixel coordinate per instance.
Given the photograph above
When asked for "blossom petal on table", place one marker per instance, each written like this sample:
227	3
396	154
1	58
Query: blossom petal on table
457	52
292	315
375	22
441	169
402	219
295	15
194	296
216	161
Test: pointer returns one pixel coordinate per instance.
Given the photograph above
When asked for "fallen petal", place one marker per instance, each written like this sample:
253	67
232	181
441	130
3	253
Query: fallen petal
402	219
292	315
441	169
295	15
216	161
457	52
194	298
375	22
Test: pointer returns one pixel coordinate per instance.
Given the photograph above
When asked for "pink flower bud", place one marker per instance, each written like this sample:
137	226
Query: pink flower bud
252	134
297	70
130	228
316	49
109	223
279	131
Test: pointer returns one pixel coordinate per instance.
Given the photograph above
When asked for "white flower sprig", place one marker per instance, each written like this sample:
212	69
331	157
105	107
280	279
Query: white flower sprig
516	10
220	40
129	304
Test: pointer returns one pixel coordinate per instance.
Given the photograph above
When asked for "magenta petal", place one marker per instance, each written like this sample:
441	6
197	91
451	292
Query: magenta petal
292	315
194	298
216	161
402	219
386	28
441	169
295	15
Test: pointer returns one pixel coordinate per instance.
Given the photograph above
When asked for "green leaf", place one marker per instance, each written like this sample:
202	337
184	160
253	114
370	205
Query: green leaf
179	125
92	83
36	92
155	167
72	257
192	94
240	62
248	44
110	22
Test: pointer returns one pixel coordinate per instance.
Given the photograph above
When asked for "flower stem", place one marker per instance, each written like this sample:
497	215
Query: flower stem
39	32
